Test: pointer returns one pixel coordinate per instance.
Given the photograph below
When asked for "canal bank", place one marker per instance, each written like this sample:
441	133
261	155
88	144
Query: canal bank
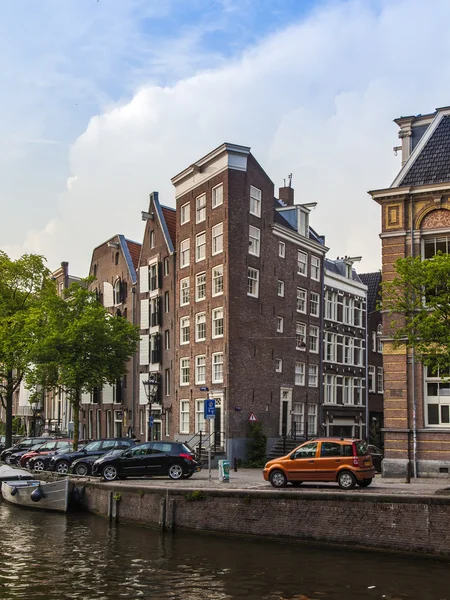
417	522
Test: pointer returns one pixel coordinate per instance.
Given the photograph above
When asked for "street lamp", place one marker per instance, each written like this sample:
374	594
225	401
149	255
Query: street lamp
151	390
34	408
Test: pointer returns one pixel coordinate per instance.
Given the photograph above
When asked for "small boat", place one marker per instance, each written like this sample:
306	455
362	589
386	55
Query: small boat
11	474
33	493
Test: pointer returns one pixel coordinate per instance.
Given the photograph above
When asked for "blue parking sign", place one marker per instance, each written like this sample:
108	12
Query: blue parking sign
210	409
151	422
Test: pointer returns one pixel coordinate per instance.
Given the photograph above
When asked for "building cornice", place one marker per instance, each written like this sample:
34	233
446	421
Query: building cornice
296	238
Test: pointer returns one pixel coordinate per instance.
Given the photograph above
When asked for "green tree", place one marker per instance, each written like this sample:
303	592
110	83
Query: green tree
82	346
418	302
256	446
23	285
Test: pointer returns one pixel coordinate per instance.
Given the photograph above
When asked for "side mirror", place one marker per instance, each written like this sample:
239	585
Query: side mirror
292	456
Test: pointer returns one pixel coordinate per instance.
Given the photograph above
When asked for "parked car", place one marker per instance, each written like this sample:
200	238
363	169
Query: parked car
47	448
377	456
150	458
2	442
344	460
61	462
24	444
83	465
14	457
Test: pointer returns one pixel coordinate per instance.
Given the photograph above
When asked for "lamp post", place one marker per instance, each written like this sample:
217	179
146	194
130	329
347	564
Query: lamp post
34	409
151	391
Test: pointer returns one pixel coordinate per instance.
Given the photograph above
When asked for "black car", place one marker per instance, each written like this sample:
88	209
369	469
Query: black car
377	457
14	457
151	458
24	444
61	462
83	465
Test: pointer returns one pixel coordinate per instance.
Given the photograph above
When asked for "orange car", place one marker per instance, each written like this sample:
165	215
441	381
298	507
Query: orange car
344	460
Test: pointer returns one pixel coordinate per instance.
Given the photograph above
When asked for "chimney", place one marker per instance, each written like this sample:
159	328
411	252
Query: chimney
65	268
286	193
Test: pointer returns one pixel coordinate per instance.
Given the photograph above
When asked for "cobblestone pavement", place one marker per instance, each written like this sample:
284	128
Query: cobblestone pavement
252	479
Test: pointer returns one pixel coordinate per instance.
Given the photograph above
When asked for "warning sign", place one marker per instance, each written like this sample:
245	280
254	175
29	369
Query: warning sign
252	417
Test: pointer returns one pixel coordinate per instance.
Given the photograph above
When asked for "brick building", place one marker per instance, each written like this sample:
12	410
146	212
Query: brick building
156	308
415	221
248	288
344	350
110	412
375	356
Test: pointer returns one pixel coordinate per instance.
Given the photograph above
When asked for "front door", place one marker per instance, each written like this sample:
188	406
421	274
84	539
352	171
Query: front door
285	410
303	464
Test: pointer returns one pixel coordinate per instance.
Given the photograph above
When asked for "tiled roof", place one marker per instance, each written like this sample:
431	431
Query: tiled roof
170	217
135	251
433	163
373	281
337	267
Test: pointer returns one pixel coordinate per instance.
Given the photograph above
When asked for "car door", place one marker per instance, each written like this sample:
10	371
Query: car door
328	461
302	463
132	461
158	459
91	449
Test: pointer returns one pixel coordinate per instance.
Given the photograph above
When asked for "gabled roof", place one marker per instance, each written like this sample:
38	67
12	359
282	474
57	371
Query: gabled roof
161	213
170	217
135	251
129	249
373	281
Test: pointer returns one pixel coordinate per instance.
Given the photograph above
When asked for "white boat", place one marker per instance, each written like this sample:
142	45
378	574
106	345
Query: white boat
33	493
10	474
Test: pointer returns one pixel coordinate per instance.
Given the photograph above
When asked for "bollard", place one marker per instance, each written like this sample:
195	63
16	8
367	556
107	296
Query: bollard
235	464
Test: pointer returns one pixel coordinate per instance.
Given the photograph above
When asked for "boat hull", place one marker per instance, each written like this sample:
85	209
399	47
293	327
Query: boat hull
51	496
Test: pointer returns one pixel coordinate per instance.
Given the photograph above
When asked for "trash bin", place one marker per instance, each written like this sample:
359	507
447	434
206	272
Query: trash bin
224	471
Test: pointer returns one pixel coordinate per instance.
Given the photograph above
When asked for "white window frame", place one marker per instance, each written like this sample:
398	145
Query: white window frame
330	389
348	310
278	365
372	379
252	282
185	327
379	342
314	339
152	238
185	253
216	318
200	369
200	246
441	400
280	324
300	336
217	239
280	288
299	376
331	299
215	363
374	341
281	249
302	263
380	380
302	300
314	301
348	350
315	267
199	286
217	198
313	375
312	419
200	208
184	416
185	291
185	213
254	240
330	346
200	321
348	392
185	369
200	424
215	279
255	201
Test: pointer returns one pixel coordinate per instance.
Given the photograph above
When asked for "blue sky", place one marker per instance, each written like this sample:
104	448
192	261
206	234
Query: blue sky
102	102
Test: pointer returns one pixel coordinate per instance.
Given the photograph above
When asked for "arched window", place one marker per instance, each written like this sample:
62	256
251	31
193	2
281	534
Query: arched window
152	239
95	270
117	292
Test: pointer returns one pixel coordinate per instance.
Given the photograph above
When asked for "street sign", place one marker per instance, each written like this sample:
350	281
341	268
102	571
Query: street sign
151	421
252	417
210	409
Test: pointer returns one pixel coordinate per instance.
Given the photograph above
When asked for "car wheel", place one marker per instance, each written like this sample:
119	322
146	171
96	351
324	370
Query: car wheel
296	483
278	479
62	467
8	459
175	471
110	473
364	483
38	465
346	480
81	469
27	464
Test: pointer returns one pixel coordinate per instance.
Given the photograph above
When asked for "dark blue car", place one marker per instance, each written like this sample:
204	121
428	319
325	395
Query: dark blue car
60	463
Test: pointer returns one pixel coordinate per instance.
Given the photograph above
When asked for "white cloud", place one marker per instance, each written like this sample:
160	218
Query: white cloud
317	99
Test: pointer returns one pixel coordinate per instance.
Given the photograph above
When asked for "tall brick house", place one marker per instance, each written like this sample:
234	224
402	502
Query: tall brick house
415	221
344	350
156	308
110	412
375	356
248	283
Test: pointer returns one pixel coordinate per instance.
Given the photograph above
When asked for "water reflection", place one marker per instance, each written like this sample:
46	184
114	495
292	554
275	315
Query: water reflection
79	556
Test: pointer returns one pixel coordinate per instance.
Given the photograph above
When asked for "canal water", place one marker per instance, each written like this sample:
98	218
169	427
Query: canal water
45	556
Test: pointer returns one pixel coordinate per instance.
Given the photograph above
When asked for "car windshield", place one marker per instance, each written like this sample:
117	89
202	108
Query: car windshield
92	446
361	448
36	446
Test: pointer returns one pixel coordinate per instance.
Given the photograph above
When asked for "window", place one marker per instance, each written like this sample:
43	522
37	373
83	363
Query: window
166	266
314	304
380	380
166	339
116	292
306	451
184	291
152	239
358	385
313	339
153	275
255	201
437	398
184	253
330	346
116	258
217	239
200	416
278	365
374	341
301	300
280	324
217	280
358	314
167	381
347	390
281	249
348	350
432	246
253	282
185	213
330	449
200	327
200	247
372	379
184	371
358	347
330	305
330	389
298	415
166	302
217	367
302	263
200	370
217	195
312	419
280	288
313	375
217	323
300	334
184	416
379	342
254	235
184	330
200	208
348	310
299	373
200	287
315	268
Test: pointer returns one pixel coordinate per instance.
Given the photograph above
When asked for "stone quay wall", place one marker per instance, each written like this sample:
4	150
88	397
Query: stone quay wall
415	524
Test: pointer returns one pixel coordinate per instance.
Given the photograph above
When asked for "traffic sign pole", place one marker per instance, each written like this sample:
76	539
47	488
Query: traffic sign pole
209	451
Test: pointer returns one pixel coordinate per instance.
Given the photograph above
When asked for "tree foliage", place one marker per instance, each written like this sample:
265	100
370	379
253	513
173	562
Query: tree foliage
256	446
418	301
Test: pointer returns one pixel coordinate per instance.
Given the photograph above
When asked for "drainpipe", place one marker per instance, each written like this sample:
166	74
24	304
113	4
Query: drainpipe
413	367
133	360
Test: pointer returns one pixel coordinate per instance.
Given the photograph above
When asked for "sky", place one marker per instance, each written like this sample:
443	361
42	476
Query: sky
103	101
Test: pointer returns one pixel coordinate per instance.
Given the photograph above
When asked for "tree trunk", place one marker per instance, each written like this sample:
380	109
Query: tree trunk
76	419
9	409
